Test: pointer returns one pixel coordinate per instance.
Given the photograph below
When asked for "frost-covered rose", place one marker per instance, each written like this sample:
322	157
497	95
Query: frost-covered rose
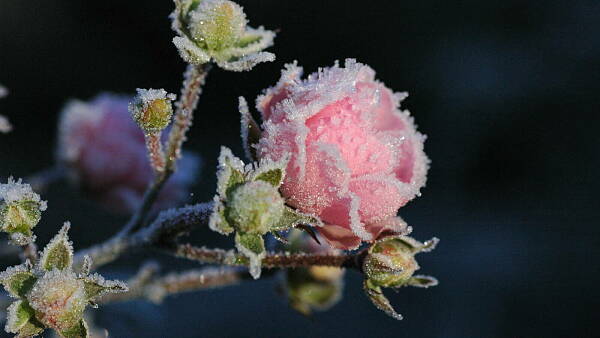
356	158
105	152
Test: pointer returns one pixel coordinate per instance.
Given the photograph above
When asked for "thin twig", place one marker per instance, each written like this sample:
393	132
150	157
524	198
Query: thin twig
166	227
194	78
271	260
147	285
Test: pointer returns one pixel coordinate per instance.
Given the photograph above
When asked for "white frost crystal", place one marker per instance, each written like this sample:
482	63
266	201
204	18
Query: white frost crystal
215	30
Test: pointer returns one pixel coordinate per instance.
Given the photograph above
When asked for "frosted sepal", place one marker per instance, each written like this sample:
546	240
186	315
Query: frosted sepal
58	254
21	321
253	247
380	300
18	280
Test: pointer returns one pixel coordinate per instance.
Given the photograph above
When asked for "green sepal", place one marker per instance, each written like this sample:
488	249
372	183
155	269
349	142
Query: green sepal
273	176
95	286
230	174
292	218
18	315
31	329
422	281
18	280
58	254
253	247
379	300
79	330
217	221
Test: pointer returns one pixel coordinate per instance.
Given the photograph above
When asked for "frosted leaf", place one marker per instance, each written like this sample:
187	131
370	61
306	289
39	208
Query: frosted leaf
58	254
270	171
5	126
19	314
253	41
96	286
250	130
292	218
379	300
246	62
189	52
14	191
18	280
217	221
230	172
77	331
422	281
253	247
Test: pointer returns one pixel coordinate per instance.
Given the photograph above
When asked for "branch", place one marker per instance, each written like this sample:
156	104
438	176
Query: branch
147	285
166	227
194	78
271	260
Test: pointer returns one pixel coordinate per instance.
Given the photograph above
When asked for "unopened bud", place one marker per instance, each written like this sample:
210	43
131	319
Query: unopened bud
254	207
58	299
390	262
20	210
152	109
217	24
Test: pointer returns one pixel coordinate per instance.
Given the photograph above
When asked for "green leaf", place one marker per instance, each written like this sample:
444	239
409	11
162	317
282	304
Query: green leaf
274	176
217	221
18	280
230	174
253	247
292	218
95	286
18	315
31	329
422	281
379	300
80	330
58	254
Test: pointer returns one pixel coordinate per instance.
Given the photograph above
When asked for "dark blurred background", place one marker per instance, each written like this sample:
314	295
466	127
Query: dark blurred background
507	92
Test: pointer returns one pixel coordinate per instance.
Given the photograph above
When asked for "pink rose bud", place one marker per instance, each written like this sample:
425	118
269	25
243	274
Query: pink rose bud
356	158
105	153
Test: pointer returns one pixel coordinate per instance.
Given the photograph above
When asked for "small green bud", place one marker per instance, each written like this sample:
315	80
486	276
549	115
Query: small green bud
217	24
254	207
308	291
390	262
151	109
58	299
20	210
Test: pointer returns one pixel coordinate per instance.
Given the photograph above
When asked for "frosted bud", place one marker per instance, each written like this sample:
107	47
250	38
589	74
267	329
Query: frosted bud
58	299
254	207
217	24
151	109
20	210
390	263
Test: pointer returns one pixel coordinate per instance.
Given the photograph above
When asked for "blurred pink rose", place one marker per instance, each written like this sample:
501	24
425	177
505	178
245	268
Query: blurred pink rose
356	158
105	153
